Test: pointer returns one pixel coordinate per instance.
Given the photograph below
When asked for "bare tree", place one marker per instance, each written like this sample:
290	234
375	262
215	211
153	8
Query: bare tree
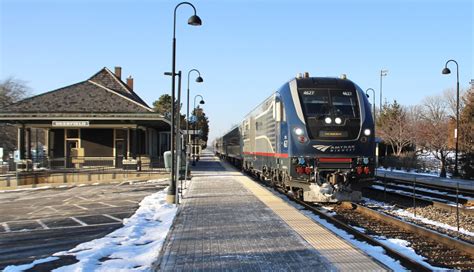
433	130
449	95
11	90
395	127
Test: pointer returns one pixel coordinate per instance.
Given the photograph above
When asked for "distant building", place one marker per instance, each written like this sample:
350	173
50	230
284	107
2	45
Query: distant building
99	121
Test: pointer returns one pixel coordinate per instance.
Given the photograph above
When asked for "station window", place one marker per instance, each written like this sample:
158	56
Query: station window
120	134
72	133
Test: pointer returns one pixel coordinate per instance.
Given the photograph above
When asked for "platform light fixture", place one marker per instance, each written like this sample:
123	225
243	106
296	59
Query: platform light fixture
194	20
196	121
383	73
199	79
446	71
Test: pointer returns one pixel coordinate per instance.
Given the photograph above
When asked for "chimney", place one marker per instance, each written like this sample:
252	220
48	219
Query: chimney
130	82
118	72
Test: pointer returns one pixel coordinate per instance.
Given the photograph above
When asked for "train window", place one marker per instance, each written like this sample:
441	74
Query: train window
345	103
317	103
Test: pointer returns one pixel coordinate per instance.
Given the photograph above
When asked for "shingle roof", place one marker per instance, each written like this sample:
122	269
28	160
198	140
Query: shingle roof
103	92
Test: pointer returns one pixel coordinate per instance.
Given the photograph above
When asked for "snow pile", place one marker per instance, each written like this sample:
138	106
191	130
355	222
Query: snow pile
135	246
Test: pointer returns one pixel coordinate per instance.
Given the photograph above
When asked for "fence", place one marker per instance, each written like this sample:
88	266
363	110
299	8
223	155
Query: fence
79	170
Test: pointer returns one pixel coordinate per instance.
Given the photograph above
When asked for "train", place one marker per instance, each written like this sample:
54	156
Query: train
313	137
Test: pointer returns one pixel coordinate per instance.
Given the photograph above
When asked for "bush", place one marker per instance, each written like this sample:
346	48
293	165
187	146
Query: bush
406	161
466	166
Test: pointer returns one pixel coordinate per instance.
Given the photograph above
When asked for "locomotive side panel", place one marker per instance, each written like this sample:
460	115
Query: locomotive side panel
260	137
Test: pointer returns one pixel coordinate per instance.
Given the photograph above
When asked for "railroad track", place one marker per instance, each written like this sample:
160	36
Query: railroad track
446	200
436	192
438	249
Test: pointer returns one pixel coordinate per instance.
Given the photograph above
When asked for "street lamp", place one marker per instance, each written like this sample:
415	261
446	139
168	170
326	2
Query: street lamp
375	123
188	144
382	74
196	122
373	99
194	21
446	71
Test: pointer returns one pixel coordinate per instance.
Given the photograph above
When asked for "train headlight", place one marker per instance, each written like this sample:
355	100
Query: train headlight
328	120
299	131
338	120
367	132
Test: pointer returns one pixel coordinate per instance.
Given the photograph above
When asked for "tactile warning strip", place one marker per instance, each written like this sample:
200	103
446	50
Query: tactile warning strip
340	253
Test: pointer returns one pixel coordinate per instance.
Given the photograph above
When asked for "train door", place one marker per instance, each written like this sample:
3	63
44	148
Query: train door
282	129
252	147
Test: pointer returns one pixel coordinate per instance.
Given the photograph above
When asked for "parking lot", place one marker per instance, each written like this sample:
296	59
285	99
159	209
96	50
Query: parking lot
37	223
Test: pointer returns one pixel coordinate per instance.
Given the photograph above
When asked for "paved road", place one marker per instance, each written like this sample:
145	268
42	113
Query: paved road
37	223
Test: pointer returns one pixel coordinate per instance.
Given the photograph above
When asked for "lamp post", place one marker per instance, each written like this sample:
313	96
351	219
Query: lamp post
195	126
382	74
446	71
194	21
373	99
375	123
188	140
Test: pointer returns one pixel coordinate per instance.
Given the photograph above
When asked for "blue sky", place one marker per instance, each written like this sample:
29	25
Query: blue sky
244	49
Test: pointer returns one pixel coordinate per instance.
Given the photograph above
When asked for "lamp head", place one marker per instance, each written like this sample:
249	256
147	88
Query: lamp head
194	20
199	79
446	71
201	102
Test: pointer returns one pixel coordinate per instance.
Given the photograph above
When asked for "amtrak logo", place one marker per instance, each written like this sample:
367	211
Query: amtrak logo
322	148
336	148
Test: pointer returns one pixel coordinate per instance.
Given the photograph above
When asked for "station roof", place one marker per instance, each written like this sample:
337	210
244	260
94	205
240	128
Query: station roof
103	97
103	92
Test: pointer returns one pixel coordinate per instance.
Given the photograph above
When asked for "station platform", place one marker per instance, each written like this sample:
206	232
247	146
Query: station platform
229	222
427	179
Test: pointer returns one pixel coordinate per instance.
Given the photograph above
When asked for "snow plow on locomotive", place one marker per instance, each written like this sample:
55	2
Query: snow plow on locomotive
313	137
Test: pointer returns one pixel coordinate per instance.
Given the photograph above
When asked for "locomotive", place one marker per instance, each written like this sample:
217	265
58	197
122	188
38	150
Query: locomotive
313	137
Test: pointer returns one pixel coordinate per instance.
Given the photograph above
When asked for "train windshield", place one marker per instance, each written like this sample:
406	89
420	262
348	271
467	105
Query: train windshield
321	105
317	103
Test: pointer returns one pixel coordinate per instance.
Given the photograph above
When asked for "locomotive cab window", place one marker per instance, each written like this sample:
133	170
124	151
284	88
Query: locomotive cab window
331	113
345	104
315	103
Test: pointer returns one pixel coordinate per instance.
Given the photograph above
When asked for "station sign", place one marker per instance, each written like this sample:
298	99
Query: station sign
70	123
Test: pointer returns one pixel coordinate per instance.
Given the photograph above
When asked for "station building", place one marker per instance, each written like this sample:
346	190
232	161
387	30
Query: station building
100	121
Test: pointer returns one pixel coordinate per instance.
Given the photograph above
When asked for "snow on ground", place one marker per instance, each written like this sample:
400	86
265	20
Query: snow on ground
408	214
429	190
134	247
405	213
381	169
405	193
403	247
